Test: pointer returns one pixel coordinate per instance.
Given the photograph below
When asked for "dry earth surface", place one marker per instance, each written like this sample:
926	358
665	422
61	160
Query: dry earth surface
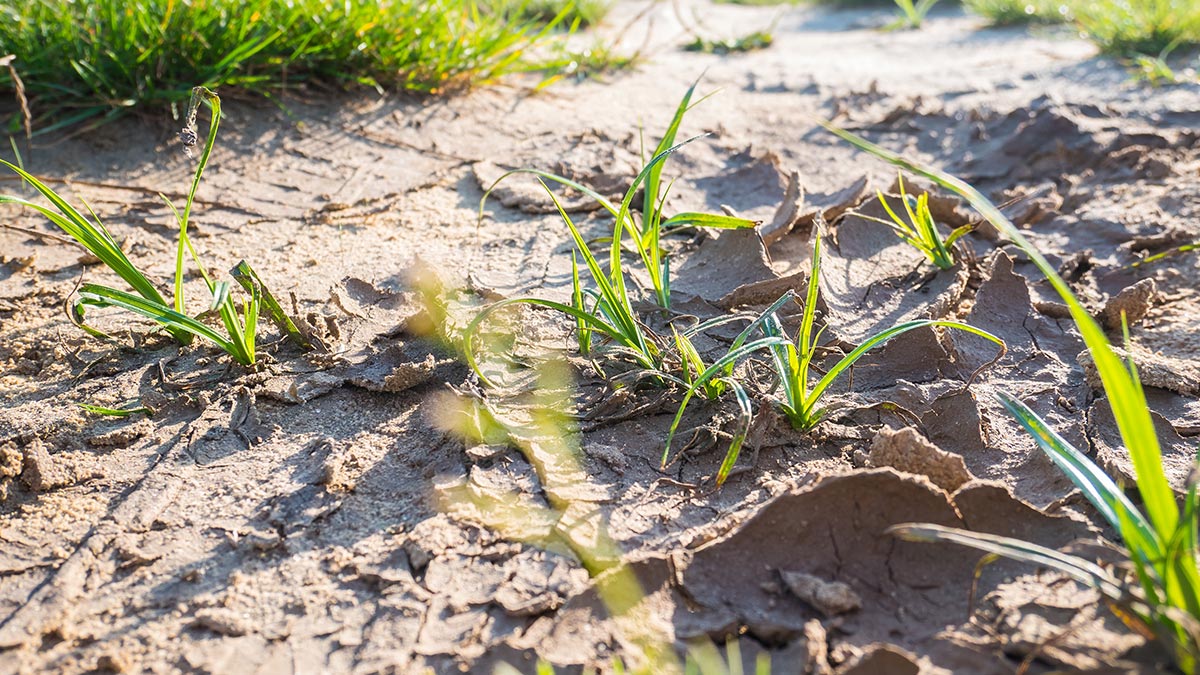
303	517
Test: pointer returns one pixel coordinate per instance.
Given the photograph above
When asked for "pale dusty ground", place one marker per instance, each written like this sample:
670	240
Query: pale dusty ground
243	531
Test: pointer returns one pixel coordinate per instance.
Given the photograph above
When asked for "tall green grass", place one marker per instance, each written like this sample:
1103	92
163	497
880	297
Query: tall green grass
1118	27
1015	12
583	12
1163	544
81	60
1125	27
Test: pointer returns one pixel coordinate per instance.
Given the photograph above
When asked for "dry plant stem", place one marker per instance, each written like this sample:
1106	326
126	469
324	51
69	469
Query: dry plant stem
19	91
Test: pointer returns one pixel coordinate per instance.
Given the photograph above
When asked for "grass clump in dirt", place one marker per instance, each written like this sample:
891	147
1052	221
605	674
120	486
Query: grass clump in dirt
605	310
1018	12
713	380
1118	27
1160	589
792	362
80	60
1127	27
582	12
1157	71
919	229
746	43
240	323
912	14
646	232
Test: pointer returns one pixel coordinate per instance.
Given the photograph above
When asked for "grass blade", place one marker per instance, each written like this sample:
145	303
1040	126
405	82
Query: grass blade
714	370
93	295
1096	485
882	337
249	280
1083	571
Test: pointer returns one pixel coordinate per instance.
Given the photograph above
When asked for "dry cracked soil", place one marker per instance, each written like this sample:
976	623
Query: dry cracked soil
313	516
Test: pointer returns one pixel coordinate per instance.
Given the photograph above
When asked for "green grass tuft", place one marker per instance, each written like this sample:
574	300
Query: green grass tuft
917	227
912	15
793	359
1017	12
81	60
240	323
1127	27
582	12
746	43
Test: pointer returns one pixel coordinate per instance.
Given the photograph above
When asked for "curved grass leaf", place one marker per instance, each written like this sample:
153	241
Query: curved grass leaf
93	295
715	370
249	281
1083	571
1096	485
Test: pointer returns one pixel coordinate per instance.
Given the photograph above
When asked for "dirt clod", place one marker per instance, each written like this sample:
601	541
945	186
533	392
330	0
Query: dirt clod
44	471
116	662
12	460
1134	303
122	436
906	450
831	598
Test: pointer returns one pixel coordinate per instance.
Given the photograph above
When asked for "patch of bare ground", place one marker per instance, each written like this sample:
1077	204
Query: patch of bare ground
287	519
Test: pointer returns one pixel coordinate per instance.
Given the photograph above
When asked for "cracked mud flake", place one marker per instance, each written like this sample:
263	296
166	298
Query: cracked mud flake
906	450
578	633
1183	412
593	159
917	356
1155	369
834	531
752	186
228	426
43	471
884	660
724	262
371	353
1047	138
1130	305
1039	348
991	444
790	241
1061	625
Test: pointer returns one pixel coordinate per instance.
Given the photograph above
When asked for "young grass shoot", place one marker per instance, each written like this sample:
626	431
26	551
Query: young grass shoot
920	230
793	362
645	233
240	323
912	14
